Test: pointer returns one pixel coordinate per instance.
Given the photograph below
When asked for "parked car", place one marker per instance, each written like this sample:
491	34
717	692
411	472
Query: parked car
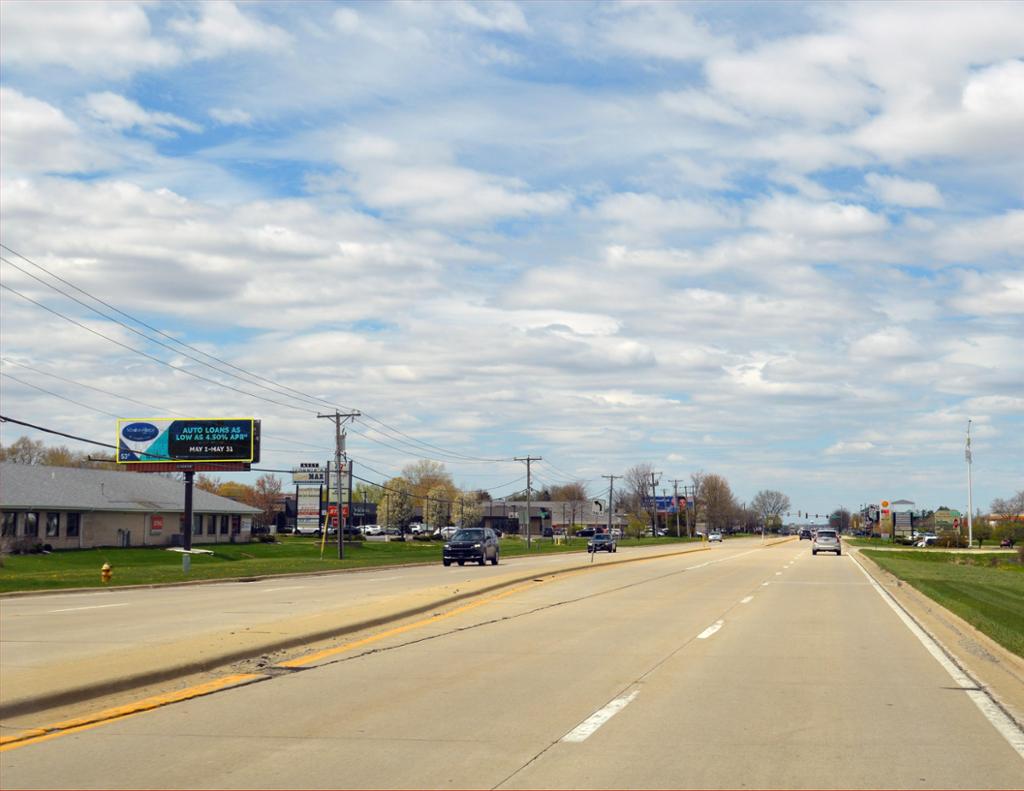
805	532
927	540
307	530
826	539
585	532
602	542
446	532
715	537
373	530
472	543
417	528
1006	542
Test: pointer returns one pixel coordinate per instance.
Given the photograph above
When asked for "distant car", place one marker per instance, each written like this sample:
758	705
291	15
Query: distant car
586	532
715	537
446	532
548	532
805	532
826	540
927	540
602	542
417	528
472	543
1006	542
373	530
307	530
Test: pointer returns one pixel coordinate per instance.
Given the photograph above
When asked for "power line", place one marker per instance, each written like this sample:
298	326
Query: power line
304	396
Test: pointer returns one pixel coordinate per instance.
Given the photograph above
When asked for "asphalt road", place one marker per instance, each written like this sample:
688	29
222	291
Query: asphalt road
737	667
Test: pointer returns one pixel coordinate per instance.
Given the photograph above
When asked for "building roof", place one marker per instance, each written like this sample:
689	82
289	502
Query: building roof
33	486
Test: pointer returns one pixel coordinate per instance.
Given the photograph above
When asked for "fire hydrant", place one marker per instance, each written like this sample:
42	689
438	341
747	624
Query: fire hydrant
106	572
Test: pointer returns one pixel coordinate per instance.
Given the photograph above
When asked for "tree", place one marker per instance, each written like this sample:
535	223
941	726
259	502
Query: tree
770	504
1009	510
639	498
24	451
396	504
207	483
718	501
982	532
437	508
424	475
574	494
265	495
471	509
239	492
364	492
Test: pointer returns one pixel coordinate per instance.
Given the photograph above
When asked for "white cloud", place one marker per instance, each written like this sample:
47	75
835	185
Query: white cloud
122	113
645	215
989	294
504	17
796	216
231	116
808	77
659	30
108	38
30	126
974	239
887	346
904	192
842	448
701	106
221	28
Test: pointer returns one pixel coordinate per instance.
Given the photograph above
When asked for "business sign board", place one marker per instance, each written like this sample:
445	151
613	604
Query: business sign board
331	490
309	474
307	507
162	440
670	504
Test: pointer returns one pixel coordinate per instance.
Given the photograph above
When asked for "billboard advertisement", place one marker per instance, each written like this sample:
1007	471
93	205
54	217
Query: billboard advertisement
161	440
308	509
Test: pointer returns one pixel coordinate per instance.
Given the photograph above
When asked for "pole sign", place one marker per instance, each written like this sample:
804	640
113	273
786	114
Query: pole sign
309	474
162	440
307	509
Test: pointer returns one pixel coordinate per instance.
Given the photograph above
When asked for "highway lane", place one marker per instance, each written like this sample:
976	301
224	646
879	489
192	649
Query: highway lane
38	629
758	667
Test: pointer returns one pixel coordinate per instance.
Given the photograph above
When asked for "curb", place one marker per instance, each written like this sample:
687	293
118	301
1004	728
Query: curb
25	705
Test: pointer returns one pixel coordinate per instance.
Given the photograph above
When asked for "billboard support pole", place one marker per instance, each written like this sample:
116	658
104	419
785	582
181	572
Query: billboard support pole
339	449
186	538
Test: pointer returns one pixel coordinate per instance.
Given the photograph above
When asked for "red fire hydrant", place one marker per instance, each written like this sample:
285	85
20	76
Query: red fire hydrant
106	572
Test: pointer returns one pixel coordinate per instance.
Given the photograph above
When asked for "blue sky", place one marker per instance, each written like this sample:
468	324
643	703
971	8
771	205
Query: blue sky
778	242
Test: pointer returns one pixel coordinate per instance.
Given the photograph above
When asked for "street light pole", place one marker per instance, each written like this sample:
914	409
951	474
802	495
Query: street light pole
970	498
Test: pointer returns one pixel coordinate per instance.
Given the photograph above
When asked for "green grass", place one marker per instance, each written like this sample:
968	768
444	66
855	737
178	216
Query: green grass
294	554
985	589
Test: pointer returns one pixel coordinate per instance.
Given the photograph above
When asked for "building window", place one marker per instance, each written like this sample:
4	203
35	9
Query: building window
31	524
197	524
10	526
236	523
73	523
211	524
52	524
224	524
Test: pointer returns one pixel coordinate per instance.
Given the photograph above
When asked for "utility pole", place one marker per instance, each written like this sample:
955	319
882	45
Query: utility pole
675	494
611	507
654	502
970	495
528	459
339	451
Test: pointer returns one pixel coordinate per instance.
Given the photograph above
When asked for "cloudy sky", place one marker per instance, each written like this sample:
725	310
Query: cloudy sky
778	242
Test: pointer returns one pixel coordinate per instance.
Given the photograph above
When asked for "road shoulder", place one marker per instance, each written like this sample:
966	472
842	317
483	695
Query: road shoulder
1000	671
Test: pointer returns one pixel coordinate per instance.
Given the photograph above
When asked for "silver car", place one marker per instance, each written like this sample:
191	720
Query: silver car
826	540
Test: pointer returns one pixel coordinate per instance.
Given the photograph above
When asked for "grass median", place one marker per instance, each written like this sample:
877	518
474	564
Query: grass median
290	555
985	589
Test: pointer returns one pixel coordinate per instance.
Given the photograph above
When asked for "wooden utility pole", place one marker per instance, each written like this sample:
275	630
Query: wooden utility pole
339	451
528	459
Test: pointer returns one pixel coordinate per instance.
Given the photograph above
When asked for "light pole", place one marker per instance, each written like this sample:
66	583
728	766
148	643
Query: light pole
970	500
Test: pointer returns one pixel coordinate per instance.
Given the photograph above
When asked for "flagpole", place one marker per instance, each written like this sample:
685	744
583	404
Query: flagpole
970	494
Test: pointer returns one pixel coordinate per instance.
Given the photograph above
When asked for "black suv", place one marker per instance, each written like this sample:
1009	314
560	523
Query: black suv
805	532
472	543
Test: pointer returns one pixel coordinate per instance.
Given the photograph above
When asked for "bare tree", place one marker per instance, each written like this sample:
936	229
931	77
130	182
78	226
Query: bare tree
770	505
637	490
718	501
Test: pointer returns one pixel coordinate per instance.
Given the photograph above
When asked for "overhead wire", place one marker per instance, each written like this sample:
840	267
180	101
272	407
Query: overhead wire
300	394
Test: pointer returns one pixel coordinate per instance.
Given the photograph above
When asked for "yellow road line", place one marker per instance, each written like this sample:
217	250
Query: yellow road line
309	659
77	724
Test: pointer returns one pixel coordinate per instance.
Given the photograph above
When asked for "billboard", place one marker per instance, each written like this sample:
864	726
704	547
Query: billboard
308	509
309	473
162	440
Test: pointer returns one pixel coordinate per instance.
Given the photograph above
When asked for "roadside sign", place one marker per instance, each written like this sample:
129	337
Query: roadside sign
309	473
162	440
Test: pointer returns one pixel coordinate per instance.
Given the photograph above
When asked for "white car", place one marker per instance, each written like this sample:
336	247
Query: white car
416	528
373	530
446	532
715	537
